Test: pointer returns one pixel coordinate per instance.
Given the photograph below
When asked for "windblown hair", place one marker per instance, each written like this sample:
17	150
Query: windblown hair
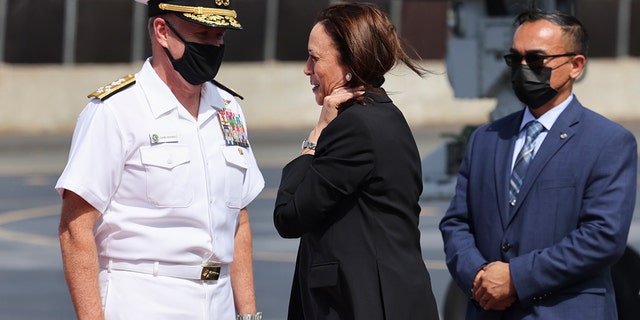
366	41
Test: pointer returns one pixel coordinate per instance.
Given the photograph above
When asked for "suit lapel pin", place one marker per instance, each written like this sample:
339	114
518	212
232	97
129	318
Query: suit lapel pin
563	135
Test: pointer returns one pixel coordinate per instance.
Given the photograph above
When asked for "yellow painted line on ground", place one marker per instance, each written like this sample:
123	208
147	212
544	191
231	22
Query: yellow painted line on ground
29	238
7	170
51	210
26	214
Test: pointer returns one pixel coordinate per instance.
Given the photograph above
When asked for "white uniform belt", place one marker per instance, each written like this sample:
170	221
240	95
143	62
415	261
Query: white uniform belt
157	268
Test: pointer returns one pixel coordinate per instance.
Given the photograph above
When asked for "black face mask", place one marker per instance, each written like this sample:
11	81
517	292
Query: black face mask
532	87
199	63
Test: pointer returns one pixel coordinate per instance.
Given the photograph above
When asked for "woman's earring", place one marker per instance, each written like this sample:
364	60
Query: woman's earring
348	76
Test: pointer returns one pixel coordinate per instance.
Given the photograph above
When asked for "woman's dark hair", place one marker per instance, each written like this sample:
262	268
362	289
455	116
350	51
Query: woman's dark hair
570	25
366	41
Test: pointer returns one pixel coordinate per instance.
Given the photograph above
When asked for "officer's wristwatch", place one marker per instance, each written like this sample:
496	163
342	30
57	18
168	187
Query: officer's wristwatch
256	316
306	144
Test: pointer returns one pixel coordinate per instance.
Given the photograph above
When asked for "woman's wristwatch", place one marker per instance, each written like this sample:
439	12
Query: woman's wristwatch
306	144
256	316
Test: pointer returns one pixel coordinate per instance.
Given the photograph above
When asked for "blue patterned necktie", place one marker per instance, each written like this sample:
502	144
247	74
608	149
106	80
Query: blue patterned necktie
533	129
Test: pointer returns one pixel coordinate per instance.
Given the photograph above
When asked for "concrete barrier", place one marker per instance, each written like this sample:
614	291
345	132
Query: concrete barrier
48	98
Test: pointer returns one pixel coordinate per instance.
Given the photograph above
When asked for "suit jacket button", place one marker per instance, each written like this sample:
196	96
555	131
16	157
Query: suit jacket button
506	246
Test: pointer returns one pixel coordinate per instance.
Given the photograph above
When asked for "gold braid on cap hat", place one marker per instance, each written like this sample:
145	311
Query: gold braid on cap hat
197	10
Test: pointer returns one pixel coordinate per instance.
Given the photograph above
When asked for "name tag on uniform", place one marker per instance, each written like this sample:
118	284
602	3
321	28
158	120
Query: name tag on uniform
157	138
232	128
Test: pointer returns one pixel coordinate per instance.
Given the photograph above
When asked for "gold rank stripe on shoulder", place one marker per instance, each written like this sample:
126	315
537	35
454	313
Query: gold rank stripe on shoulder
107	91
227	89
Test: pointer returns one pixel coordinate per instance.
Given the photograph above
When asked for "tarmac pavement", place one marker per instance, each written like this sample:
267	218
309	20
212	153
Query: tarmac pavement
31	280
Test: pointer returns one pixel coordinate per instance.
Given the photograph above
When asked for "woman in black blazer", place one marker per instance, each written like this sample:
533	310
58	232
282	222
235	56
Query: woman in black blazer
352	196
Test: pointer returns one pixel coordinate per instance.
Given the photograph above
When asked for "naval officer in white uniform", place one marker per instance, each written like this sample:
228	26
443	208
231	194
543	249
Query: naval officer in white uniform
154	222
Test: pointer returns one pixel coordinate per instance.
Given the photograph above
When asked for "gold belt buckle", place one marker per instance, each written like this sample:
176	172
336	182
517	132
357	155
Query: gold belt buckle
210	273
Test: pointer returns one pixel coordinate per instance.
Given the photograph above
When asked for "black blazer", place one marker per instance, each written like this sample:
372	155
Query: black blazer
354	206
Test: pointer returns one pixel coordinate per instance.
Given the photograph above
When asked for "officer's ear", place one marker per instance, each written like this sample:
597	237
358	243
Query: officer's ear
160	31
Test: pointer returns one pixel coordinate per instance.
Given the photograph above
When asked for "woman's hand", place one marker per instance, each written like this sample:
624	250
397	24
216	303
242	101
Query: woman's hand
329	111
330	107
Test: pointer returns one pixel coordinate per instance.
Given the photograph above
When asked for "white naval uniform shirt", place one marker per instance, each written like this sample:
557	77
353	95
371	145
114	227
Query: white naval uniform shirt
175	201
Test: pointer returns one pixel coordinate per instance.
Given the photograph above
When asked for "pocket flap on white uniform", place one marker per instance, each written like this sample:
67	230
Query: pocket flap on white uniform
166	156
236	156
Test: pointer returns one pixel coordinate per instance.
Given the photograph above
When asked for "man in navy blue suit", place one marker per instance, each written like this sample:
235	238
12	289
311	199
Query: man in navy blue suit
542	211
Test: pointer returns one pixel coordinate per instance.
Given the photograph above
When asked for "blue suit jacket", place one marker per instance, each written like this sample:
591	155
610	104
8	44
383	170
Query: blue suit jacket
570	223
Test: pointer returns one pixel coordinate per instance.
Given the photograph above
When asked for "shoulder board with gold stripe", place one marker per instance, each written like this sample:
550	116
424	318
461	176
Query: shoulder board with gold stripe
103	93
227	89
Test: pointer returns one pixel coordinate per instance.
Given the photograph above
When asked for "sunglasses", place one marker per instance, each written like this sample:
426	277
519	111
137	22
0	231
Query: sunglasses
534	60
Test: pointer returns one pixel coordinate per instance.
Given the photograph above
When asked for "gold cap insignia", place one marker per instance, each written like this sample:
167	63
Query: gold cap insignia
212	13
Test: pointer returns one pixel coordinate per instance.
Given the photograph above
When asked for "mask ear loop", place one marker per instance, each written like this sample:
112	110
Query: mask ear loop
174	31
562	85
568	79
556	67
166	50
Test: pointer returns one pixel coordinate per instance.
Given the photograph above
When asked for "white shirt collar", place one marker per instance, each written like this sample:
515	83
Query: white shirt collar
162	100
548	118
